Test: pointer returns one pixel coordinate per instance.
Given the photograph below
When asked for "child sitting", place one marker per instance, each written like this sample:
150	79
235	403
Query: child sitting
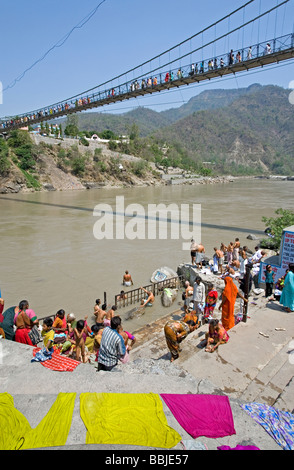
48	334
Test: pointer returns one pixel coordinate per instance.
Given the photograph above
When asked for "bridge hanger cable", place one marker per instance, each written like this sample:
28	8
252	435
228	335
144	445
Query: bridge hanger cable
183	56
219	38
170	49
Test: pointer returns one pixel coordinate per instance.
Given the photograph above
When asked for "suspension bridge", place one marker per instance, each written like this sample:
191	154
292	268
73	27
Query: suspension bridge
171	74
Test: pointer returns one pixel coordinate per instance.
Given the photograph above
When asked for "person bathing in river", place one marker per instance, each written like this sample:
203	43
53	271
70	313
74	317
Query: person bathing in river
127	279
149	300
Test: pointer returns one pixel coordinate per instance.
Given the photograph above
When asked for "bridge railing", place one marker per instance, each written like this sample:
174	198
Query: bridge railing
156	82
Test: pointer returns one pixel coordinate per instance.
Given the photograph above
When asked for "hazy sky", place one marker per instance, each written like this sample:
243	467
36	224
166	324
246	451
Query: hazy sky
122	34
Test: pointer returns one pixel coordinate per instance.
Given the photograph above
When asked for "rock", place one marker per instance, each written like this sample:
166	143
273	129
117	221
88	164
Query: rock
168	296
48	187
252	237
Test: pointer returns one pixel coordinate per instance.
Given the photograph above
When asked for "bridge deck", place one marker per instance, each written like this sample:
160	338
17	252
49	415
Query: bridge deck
128	90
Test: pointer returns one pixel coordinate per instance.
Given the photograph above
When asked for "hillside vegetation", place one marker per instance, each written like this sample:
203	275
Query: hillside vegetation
244	131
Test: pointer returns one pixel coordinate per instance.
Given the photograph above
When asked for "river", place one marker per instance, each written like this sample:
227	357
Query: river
50	256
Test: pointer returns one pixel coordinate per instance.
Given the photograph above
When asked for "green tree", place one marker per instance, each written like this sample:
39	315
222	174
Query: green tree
4	161
78	165
23	148
72	125
276	226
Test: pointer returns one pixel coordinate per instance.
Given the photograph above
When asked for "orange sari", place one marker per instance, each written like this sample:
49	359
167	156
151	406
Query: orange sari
228	307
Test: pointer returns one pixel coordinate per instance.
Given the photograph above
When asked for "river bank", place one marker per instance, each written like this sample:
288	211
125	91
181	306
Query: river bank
67	165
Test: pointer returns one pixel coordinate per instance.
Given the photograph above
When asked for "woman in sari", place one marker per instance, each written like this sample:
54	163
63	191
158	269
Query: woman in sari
23	326
287	297
210	302
175	332
216	335
227	305
60	323
7	322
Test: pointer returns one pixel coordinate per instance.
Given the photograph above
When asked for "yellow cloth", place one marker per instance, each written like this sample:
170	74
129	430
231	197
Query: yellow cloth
16	432
125	418
47	336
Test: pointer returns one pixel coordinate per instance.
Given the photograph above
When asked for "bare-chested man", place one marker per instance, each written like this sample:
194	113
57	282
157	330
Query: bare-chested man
236	249
199	255
127	279
188	296
148	302
193	249
220	259
109	315
100	315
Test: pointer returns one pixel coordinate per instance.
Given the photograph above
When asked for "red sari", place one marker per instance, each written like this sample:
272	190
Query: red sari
228	306
23	325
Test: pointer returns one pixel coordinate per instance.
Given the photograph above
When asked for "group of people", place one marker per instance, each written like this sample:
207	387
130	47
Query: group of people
199	302
110	343
105	340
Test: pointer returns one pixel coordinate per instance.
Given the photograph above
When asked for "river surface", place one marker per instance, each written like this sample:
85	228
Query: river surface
49	254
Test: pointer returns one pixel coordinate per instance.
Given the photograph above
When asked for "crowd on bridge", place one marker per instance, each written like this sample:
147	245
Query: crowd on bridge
106	341
139	85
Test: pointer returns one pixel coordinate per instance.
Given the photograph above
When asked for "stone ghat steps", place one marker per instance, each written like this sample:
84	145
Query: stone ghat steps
255	365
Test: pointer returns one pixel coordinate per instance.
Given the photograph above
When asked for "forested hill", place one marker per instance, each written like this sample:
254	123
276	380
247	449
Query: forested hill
148	120
256	132
240	131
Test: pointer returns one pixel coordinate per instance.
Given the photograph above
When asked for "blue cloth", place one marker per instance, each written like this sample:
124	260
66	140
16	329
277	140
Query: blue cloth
43	355
287	297
278	424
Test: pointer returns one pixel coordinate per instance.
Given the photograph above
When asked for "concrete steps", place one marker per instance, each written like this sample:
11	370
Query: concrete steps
254	365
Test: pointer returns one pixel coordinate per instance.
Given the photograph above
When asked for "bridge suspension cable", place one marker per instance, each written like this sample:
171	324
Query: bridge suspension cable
250	57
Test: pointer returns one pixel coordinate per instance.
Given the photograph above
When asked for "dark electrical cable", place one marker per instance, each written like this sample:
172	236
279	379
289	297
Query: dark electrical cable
57	45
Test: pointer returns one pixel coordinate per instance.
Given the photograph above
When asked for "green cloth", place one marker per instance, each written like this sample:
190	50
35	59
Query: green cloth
16	432
125	418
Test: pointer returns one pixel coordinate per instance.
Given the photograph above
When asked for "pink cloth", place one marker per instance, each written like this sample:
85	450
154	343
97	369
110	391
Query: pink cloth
238	447
202	415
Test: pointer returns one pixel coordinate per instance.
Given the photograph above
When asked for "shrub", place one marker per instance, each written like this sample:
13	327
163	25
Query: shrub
78	165
4	161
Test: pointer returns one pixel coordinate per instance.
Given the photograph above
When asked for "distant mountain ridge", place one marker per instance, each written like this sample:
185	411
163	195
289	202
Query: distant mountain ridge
149	120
